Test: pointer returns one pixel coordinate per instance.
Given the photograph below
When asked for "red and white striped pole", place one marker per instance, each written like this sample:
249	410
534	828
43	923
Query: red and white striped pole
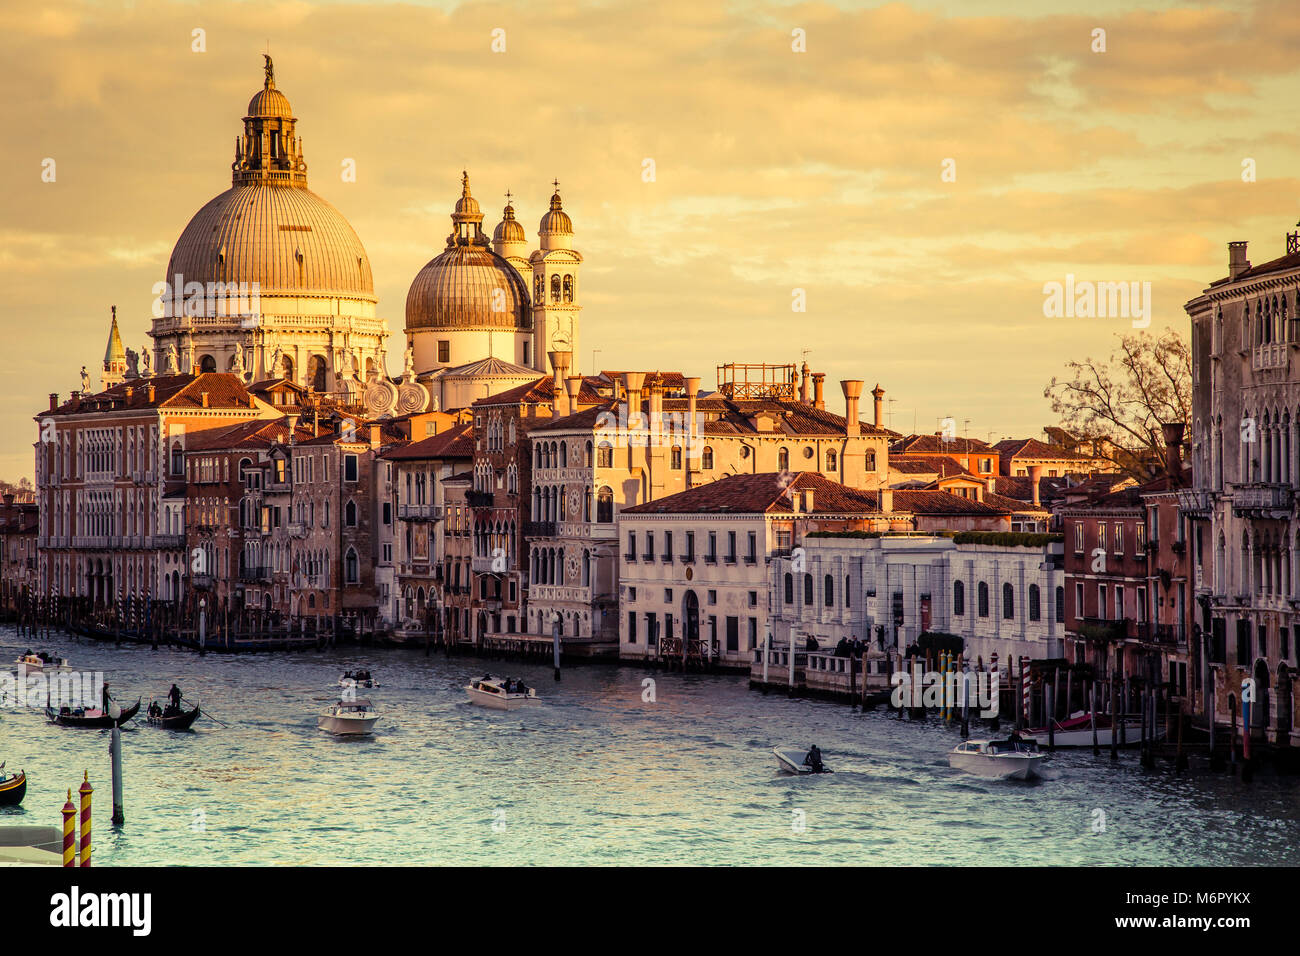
1024	688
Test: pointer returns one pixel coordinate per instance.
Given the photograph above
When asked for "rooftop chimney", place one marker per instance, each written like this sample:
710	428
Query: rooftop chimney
203	397
149	392
1237	261
878	394
886	500
819	380
632	381
572	388
852	389
376	436
291	422
1035	476
1173	434
559	366
803	384
54	400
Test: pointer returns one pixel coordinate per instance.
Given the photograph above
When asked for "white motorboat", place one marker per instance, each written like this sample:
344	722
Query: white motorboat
500	693
1014	759
793	761
348	718
1076	731
36	664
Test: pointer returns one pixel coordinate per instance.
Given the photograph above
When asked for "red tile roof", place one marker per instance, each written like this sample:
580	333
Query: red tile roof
541	392
1033	448
255	434
455	442
937	445
177	392
763	494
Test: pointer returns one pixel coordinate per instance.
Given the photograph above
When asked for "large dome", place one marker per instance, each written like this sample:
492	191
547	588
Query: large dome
283	237
468	286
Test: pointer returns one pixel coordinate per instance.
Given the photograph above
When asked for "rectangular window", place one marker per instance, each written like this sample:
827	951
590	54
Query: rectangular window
712	554
651	634
733	633
1119	539
349	467
388	512
1141	609
1102	598
667	554
668	595
1140	539
631	626
444	351
713	597
631	594
690	547
753	599
753	633
631	546
1119	602
731	547
1101	535
751	553
1078	537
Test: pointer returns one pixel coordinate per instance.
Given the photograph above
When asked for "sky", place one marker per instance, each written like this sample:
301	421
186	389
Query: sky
920	171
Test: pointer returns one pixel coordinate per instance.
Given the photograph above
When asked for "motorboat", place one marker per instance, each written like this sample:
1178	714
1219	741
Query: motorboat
1076	731
13	787
91	716
794	761
500	693
40	664
349	718
1016	758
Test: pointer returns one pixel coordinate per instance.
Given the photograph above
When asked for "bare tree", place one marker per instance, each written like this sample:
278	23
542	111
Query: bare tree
1120	403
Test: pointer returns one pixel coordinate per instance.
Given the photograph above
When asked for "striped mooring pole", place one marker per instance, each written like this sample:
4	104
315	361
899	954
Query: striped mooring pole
1024	688
69	832
86	791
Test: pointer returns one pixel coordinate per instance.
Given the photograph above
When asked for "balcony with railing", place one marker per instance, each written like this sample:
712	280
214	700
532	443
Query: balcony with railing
1262	499
420	512
1193	501
539	529
1271	355
255	575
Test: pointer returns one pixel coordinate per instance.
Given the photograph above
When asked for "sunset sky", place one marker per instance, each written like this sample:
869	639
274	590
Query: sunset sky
775	170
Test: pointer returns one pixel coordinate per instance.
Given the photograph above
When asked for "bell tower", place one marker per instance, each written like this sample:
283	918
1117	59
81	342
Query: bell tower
556	290
114	358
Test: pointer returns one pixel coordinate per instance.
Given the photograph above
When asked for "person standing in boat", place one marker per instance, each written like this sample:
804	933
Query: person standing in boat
174	698
106	697
814	759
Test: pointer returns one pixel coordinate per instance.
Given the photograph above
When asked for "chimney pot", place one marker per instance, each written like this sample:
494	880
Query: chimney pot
204	398
878	394
54	400
1237	261
852	389
1035	477
1173	435
819	381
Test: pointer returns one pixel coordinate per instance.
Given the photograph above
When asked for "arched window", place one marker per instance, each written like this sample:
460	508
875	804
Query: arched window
178	459
587	459
568	288
831	459
564	454
789	588
959	598
207	364
1035	611
983	600
1008	602
350	569
605	455
676	456
783	459
807	589
538	288
350	514
828	589
706	459
605	506
555	288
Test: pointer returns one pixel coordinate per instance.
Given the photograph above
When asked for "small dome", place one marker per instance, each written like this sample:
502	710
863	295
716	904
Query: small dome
556	221
269	102
467	209
468	286
509	229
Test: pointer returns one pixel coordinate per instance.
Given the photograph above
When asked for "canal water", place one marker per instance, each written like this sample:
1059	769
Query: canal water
597	774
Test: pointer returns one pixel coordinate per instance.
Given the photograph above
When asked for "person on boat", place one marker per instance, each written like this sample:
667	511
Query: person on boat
174	697
814	759
347	675
155	710
107	697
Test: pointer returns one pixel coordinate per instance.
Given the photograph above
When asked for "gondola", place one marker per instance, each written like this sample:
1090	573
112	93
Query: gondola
181	721
99	718
12	789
